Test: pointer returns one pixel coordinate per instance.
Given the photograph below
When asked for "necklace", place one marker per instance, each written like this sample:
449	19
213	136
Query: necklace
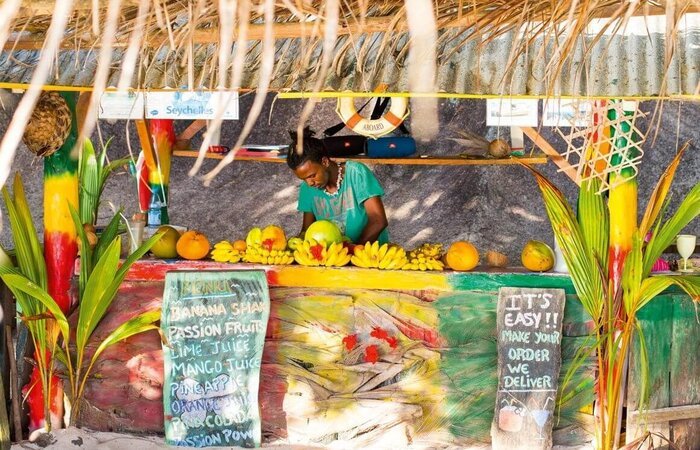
338	183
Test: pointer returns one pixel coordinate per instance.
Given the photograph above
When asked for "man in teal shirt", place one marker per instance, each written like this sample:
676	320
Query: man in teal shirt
347	194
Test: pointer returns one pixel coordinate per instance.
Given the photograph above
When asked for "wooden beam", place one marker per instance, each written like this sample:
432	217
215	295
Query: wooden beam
256	32
553	154
666	414
192	129
47	7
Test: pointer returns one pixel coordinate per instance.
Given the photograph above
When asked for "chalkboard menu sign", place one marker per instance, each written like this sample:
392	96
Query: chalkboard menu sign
529	361
215	324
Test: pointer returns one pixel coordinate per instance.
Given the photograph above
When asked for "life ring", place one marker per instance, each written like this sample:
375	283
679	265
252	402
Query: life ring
368	127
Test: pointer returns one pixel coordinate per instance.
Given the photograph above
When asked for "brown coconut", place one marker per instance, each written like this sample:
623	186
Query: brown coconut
498	148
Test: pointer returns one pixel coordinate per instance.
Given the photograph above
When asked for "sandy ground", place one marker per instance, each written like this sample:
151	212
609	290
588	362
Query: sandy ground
81	439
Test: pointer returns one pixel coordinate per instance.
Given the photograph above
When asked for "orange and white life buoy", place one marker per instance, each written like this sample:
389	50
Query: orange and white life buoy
368	127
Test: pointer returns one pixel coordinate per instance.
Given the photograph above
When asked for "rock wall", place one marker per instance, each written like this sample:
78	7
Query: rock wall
496	207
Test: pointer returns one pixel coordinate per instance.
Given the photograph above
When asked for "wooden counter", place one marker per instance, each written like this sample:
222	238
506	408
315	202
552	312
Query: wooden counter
421	367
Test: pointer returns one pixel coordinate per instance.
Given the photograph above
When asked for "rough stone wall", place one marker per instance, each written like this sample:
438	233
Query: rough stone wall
496	207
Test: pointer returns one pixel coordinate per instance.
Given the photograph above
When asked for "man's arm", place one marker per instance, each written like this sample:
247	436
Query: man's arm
376	220
309	218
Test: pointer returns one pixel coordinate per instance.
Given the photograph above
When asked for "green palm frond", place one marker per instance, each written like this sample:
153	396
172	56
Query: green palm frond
579	257
688	210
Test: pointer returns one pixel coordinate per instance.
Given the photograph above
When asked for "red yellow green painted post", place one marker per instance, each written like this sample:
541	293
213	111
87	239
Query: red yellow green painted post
622	202
60	252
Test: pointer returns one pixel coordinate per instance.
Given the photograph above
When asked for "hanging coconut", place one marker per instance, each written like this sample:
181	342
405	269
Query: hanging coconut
49	125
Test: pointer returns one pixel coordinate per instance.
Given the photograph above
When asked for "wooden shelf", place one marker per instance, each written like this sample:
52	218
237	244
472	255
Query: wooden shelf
425	161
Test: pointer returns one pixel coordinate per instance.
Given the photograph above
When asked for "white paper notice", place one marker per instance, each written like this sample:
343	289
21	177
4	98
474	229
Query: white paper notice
567	113
504	112
121	105
190	105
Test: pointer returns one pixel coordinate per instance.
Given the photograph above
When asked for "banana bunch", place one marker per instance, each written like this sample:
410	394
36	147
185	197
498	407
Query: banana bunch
313	253
427	250
423	263
260	255
381	257
425	257
224	252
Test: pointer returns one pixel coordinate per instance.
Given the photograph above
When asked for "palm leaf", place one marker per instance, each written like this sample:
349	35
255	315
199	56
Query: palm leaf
85	251
593	217
653	286
96	298
20	283
36	252
88	173
688	210
107	236
133	326
658	197
579	258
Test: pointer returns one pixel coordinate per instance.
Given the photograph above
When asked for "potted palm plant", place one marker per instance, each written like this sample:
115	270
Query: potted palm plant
587	243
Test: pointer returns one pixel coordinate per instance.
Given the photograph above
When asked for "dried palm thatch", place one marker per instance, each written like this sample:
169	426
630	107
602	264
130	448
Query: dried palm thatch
49	125
309	45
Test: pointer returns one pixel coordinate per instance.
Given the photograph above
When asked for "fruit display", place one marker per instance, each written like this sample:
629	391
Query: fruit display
192	245
269	245
324	230
373	255
537	256
318	253
462	256
224	251
425	257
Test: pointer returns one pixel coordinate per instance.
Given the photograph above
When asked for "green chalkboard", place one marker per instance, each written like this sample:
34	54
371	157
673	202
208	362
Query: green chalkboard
215	323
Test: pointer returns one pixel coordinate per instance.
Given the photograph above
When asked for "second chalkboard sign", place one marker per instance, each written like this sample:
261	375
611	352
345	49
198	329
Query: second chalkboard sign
215	323
529	361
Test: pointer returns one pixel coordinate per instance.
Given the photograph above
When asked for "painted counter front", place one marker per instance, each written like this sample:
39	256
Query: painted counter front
361	356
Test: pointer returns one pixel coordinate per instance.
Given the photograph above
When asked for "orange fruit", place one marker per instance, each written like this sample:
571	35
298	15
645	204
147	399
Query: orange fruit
193	245
462	256
239	245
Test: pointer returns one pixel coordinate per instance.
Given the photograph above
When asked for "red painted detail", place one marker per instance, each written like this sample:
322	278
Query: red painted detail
371	354
272	278
617	258
317	252
350	341
35	400
379	333
163	127
267	244
60	252
430	337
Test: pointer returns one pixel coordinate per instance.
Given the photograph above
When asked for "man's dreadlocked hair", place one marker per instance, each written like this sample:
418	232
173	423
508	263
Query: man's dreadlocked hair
313	149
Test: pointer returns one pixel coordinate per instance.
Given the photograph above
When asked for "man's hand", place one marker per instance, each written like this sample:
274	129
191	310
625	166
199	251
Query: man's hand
376	220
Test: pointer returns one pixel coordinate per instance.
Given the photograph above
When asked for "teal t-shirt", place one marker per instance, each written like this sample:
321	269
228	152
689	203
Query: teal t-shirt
346	208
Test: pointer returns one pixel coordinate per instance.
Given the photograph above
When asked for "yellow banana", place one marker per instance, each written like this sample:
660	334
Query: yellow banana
382	251
330	260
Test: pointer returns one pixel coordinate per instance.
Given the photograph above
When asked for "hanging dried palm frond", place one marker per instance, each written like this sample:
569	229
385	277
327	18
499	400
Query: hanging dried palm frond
49	125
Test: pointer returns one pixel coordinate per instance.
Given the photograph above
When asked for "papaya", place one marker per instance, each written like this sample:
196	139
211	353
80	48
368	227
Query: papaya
537	256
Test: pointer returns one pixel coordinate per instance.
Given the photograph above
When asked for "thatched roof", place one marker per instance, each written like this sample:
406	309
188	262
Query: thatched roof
516	47
480	47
